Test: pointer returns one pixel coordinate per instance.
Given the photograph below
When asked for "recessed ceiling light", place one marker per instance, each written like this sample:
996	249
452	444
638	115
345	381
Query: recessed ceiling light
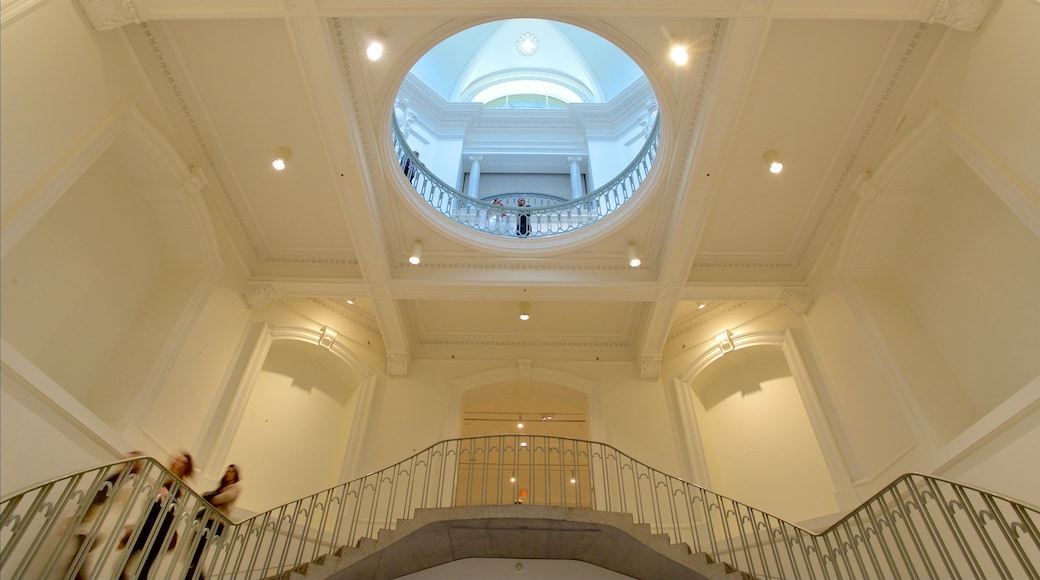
416	257
281	158
375	50
679	55
633	256
525	311
775	166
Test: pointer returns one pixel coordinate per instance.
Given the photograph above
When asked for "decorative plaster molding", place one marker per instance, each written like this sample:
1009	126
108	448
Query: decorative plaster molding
589	343
366	324
110	14
260	296
796	303
701	320
966	15
897	64
194	184
650	366
866	188
171	69
397	364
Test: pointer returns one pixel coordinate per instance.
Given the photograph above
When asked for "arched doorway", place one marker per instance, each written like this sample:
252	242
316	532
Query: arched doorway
524	441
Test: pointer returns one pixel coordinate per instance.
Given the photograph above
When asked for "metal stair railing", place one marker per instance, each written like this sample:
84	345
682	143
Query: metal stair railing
917	527
545	218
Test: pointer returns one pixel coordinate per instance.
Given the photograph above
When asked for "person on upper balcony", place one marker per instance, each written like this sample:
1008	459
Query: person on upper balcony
523	220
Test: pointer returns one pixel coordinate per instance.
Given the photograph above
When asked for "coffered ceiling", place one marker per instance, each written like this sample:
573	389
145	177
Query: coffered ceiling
821	82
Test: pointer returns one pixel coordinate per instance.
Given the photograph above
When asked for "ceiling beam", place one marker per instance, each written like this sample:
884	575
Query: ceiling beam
916	10
729	82
322	69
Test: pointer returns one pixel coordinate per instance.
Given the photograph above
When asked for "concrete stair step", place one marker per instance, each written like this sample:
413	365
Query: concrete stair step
439	536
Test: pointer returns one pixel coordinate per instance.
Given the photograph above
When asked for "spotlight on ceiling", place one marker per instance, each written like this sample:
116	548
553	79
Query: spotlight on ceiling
520	422
774	162
281	158
375	50
701	305
525	311
633	256
416	255
679	55
350	301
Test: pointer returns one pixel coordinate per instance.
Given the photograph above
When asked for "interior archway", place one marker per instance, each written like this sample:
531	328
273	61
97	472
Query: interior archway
300	383
755	426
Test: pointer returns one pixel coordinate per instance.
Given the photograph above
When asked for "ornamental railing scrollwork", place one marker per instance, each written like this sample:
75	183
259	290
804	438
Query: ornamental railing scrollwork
545	215
917	527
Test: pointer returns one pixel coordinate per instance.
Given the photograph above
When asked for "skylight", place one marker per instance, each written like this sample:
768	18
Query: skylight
527	87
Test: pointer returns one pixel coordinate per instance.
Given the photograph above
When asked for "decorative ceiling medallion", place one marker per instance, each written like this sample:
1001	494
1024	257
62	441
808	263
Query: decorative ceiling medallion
527	44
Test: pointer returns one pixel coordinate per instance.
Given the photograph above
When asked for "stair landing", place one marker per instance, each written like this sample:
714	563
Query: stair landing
438	536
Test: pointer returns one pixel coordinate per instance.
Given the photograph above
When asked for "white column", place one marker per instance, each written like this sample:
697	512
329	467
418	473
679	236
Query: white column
576	189
474	176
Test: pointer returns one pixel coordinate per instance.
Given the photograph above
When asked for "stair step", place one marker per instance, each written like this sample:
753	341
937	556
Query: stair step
394	551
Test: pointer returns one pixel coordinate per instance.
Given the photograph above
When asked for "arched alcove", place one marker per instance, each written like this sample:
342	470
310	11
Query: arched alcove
542	408
557	410
748	413
117	241
756	429
937	232
299	383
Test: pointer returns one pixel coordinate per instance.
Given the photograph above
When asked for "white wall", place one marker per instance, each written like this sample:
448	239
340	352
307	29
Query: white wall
954	271
293	434
38	441
756	430
85	269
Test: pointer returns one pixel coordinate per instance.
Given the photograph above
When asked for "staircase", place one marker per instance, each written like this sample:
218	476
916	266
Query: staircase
439	536
583	501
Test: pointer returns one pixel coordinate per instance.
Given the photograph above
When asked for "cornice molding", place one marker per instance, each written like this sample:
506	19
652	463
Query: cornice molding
174	73
896	63
366	324
702	320
526	342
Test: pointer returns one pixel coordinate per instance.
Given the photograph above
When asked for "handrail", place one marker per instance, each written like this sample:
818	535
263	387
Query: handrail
917	527
543	221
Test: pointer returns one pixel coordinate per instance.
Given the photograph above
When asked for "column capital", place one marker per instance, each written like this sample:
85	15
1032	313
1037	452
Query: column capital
798	303
260	295
397	364
966	15
650	366
110	14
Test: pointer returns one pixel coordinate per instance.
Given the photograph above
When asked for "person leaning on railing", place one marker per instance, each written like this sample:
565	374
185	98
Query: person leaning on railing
113	490
222	498
182	466
523	220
